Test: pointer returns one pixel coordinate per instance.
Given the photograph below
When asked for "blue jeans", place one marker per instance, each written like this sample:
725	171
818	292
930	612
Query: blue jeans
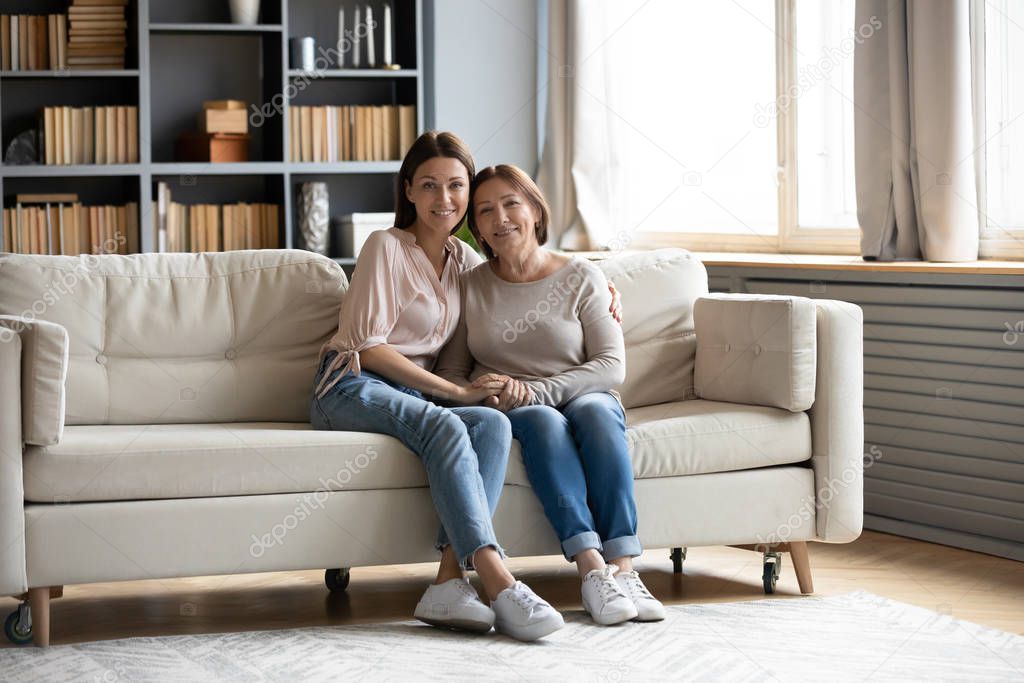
578	463
464	450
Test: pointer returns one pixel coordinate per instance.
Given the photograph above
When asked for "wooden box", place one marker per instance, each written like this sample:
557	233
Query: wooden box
215	147
224	121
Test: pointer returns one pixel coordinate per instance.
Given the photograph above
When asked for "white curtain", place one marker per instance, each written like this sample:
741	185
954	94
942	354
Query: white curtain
577	161
914	127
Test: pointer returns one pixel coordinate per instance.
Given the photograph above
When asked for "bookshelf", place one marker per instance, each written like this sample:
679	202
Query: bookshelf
182	52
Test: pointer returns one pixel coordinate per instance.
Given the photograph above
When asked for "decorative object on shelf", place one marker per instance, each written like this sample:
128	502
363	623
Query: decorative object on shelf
357	34
23	150
314	212
245	12
351	231
371	52
223	136
212	147
224	116
302	53
389	37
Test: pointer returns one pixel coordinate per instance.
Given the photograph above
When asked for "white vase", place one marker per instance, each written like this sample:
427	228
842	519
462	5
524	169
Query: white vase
314	216
245	12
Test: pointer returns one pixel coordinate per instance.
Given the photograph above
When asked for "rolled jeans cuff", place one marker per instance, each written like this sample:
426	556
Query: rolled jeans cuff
623	546
467	562
588	540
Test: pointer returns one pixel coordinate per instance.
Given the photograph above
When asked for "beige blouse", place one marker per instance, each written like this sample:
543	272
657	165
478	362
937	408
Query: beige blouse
395	298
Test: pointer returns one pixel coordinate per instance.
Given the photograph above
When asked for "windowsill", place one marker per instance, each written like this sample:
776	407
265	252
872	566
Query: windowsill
835	262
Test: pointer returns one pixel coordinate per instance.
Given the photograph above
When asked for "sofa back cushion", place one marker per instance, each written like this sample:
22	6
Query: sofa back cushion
183	338
658	291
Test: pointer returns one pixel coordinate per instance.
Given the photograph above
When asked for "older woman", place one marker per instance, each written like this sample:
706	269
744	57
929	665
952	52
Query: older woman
539	322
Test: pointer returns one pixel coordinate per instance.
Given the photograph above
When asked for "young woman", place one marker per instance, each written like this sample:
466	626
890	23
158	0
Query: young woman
402	306
539	322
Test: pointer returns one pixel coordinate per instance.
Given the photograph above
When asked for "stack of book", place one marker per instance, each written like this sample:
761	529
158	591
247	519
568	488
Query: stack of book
97	34
58	224
351	133
211	227
33	42
89	135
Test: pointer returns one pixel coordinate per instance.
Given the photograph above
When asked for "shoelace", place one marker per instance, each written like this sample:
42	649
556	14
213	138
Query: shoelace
636	586
524	597
609	587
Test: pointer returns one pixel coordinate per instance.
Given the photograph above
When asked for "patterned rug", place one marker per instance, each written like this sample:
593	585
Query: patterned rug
853	637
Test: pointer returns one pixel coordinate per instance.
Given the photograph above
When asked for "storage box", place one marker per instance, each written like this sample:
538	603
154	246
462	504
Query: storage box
224	121
351	230
217	147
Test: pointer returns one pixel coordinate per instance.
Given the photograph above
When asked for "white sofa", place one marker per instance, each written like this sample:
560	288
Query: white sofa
155	424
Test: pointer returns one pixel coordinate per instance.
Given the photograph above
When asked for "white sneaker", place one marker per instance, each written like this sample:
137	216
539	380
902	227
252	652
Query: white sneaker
454	604
647	606
522	614
604	599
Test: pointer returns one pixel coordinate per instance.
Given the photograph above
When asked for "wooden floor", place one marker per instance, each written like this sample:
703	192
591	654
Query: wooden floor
979	588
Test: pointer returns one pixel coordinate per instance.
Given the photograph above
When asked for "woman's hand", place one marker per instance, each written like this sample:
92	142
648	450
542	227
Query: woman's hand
479	392
512	395
616	308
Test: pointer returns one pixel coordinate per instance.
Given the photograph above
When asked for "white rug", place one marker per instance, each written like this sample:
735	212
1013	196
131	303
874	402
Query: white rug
854	637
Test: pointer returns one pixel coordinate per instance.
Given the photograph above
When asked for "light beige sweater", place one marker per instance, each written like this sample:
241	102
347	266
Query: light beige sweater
555	334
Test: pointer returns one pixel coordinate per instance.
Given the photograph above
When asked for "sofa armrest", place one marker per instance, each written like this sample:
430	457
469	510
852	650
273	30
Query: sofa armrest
837	421
44	371
33	371
13	576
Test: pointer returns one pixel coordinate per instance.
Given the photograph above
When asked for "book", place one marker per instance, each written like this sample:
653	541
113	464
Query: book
100	135
133	135
122	135
307	134
406	128
5	50
66	132
89	141
111	120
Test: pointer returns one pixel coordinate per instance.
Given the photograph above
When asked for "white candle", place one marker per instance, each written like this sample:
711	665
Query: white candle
356	30
388	61
371	55
341	38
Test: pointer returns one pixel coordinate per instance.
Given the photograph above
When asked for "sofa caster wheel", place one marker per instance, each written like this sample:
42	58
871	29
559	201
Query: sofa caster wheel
770	576
336	579
677	556
18	626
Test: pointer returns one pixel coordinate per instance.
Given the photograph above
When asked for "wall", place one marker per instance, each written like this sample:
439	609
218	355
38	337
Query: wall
480	59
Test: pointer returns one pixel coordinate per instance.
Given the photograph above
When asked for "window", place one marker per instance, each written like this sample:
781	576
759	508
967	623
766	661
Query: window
999	52
747	172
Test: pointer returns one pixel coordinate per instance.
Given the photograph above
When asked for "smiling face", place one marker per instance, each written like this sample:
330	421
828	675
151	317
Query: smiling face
505	219
440	192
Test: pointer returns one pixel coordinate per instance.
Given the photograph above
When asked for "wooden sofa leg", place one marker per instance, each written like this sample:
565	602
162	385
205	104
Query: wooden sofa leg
39	601
802	565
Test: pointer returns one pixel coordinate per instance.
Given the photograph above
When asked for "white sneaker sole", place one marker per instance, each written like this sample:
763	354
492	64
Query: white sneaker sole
614	617
534	631
459	624
652	615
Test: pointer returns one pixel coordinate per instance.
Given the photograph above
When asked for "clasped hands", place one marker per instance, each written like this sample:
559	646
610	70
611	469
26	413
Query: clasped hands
501	392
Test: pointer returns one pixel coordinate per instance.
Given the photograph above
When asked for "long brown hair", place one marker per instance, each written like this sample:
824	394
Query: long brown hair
524	185
427	146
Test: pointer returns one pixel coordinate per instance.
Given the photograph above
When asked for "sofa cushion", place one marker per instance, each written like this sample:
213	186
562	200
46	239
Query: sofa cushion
756	348
658	291
183	338
124	462
44	370
699	437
